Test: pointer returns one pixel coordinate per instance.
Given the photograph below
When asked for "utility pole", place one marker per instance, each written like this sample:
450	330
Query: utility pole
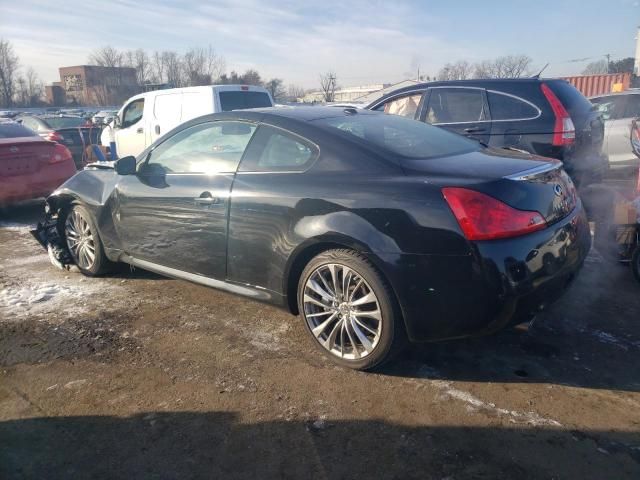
608	55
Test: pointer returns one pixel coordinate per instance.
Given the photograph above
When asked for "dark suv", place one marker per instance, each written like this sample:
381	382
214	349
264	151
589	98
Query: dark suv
542	116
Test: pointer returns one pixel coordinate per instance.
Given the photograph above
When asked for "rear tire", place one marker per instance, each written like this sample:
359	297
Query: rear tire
349	310
83	241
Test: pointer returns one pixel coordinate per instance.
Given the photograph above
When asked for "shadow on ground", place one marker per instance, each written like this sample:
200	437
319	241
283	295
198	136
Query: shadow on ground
190	445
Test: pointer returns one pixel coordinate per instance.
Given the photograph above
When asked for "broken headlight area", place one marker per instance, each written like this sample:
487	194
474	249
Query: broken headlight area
48	235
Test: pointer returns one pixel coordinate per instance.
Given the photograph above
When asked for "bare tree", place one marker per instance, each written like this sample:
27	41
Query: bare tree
294	92
328	86
139	59
510	66
202	66
276	88
157	68
21	97
460	70
106	57
8	71
251	77
29	88
596	68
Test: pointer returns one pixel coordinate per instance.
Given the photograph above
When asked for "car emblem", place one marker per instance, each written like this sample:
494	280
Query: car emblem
14	149
558	190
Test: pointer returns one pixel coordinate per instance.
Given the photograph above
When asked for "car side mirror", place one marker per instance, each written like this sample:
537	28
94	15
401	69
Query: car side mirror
126	165
116	122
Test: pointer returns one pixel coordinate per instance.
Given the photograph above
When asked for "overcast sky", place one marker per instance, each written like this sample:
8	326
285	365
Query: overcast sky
362	41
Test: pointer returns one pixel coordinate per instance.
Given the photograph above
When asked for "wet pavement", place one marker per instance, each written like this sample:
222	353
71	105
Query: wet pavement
137	376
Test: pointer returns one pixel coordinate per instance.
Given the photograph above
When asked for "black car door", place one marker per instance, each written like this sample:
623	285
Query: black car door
461	110
174	211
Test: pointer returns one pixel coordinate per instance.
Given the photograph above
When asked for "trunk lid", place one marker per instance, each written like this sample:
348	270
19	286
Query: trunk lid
521	180
19	156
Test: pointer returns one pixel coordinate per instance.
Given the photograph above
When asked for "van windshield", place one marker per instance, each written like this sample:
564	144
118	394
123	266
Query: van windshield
241	99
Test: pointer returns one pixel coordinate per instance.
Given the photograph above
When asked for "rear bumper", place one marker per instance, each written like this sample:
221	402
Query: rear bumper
35	185
501	282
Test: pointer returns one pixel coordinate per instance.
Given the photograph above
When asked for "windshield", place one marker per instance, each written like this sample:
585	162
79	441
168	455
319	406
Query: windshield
239	100
399	135
64	122
15	130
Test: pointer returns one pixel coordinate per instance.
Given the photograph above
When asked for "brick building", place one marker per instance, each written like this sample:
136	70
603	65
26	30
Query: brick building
93	85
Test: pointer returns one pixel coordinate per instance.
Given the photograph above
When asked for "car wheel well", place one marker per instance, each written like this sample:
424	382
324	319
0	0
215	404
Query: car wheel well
301	261
305	256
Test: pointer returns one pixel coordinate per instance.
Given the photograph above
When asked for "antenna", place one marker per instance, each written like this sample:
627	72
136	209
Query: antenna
537	75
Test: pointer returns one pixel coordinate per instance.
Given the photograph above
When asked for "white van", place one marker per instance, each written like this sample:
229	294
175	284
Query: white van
148	116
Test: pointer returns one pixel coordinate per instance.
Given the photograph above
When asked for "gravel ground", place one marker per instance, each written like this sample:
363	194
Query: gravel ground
137	376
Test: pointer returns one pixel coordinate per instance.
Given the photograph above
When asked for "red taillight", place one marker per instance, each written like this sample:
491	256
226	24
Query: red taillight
482	217
564	131
244	88
60	154
54	137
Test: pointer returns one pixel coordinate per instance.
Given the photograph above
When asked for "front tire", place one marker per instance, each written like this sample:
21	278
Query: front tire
349	310
83	242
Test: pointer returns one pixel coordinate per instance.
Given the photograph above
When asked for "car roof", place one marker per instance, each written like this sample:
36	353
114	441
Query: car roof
307	114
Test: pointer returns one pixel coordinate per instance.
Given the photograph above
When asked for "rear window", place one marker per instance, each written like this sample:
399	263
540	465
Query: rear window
399	135
64	122
571	98
240	100
15	130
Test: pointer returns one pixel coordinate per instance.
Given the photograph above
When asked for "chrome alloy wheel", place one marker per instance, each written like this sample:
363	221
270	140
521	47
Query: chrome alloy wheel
80	240
342	311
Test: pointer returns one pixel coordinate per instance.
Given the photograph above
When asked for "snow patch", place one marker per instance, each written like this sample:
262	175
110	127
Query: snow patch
16	226
476	404
51	298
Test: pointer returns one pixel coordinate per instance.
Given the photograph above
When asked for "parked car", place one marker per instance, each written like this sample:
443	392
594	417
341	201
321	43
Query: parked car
70	131
104	116
373	227
146	117
541	116
30	167
618	111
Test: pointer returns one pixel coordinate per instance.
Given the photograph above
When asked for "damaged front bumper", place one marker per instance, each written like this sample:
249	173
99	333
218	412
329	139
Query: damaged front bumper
48	235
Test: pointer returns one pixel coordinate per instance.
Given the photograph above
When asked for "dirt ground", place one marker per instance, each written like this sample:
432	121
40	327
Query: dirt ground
137	376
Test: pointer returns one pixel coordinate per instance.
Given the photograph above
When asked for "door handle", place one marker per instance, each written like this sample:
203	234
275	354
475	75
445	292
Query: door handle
206	198
474	130
140	130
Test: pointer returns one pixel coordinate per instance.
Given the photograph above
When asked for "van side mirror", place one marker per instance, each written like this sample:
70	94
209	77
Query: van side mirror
126	165
116	122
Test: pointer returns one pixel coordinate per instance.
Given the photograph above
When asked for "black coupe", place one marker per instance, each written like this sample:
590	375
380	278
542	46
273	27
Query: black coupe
374	228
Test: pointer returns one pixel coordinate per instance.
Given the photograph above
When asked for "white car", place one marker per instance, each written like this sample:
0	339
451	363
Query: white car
618	110
146	117
104	116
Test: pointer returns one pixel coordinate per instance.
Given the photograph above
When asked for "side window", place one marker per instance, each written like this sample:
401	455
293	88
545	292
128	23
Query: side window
506	107
214	147
132	113
275	150
404	106
632	110
455	105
